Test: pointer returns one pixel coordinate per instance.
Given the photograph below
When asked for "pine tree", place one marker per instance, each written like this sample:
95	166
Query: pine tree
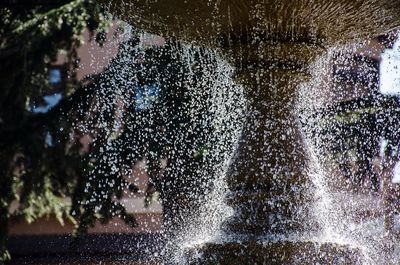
33	172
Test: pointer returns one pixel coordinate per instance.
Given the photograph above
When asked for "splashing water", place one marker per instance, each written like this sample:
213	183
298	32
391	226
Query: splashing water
199	136
226	106
337	210
190	94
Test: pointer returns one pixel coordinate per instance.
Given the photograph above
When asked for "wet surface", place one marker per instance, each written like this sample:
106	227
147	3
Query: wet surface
77	261
122	249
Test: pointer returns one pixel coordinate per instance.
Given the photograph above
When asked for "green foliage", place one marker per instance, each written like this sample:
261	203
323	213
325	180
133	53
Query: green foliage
37	174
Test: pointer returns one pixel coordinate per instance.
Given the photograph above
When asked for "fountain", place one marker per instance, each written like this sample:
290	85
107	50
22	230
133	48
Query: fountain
271	44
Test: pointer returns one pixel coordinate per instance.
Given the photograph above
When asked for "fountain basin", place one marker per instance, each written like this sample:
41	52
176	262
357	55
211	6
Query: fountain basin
289	20
274	253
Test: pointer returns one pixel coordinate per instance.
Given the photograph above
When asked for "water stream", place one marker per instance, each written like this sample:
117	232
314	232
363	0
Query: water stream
186	108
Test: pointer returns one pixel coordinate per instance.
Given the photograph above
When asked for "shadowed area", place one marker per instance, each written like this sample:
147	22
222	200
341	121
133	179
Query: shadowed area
211	21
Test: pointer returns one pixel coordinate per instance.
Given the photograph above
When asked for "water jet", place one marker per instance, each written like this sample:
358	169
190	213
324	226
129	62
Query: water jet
271	44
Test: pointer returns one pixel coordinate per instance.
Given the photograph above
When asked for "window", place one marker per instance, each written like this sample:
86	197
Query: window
55	76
